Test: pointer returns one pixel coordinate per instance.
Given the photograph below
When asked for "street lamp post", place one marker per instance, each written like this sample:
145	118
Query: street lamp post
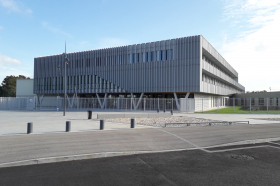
66	62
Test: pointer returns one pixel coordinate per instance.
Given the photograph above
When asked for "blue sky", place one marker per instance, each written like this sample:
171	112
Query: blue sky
245	32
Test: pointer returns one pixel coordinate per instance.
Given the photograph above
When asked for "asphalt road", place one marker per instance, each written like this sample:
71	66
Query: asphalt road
25	147
193	167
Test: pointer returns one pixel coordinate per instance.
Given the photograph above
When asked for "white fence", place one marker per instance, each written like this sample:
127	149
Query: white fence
17	103
202	105
125	104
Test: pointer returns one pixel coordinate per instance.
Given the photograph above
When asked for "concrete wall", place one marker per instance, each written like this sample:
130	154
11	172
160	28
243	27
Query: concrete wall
24	88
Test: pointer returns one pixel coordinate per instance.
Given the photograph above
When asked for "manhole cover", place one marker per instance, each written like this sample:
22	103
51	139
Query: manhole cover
242	157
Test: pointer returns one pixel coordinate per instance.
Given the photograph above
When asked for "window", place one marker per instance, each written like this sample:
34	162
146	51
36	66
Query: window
252	101
161	55
151	56
120	59
169	55
146	57
242	102
133	58
261	101
128	58
137	58
96	79
108	85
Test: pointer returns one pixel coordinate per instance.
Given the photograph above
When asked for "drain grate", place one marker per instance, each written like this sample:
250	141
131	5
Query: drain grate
242	157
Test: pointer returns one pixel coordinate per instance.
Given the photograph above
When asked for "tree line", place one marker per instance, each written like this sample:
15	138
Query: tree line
8	85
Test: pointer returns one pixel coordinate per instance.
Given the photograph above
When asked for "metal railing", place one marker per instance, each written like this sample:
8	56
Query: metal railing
205	123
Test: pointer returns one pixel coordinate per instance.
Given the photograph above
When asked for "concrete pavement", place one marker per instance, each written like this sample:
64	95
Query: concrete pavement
92	144
15	122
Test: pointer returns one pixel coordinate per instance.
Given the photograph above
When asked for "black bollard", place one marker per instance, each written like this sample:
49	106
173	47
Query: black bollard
158	110
102	124
164	110
68	126
171	112
29	127
132	123
209	124
89	114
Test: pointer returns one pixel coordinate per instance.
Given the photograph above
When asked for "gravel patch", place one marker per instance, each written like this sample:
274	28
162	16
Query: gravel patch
160	122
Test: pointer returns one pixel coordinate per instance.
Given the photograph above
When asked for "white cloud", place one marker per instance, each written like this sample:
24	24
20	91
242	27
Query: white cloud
5	60
112	42
55	30
254	53
7	71
7	65
14	6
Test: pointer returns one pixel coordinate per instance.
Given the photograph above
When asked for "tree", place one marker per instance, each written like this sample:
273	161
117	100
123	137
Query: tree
8	85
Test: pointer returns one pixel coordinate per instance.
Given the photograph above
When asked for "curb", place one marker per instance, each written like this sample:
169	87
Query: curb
38	161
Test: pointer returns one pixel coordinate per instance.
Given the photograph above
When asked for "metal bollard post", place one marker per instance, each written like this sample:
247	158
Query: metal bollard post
29	127
209	124
102	124
164	110
171	112
89	114
68	126
157	110
132	123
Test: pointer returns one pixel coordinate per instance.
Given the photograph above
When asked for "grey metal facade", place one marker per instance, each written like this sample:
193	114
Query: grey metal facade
181	65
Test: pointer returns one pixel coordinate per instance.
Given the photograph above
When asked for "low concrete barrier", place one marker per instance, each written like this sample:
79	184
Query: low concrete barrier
132	115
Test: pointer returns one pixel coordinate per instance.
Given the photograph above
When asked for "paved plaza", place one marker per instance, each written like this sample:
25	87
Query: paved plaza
15	122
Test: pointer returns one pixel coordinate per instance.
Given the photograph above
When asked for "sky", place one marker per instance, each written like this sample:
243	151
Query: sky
244	32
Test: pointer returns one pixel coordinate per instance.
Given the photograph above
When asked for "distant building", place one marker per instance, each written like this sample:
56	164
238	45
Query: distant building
24	88
259	98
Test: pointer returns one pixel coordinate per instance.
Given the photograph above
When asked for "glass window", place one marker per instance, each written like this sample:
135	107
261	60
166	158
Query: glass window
252	101
161	55
158	56
169	55
133	58
261	101
128	58
137	58
147	57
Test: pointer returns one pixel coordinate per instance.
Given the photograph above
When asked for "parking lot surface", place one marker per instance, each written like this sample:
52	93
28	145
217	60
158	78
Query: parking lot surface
253	166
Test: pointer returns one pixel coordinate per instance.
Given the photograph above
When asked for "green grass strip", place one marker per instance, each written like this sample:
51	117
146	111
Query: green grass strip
237	110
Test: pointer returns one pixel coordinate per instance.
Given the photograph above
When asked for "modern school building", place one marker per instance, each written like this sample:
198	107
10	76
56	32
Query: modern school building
187	67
